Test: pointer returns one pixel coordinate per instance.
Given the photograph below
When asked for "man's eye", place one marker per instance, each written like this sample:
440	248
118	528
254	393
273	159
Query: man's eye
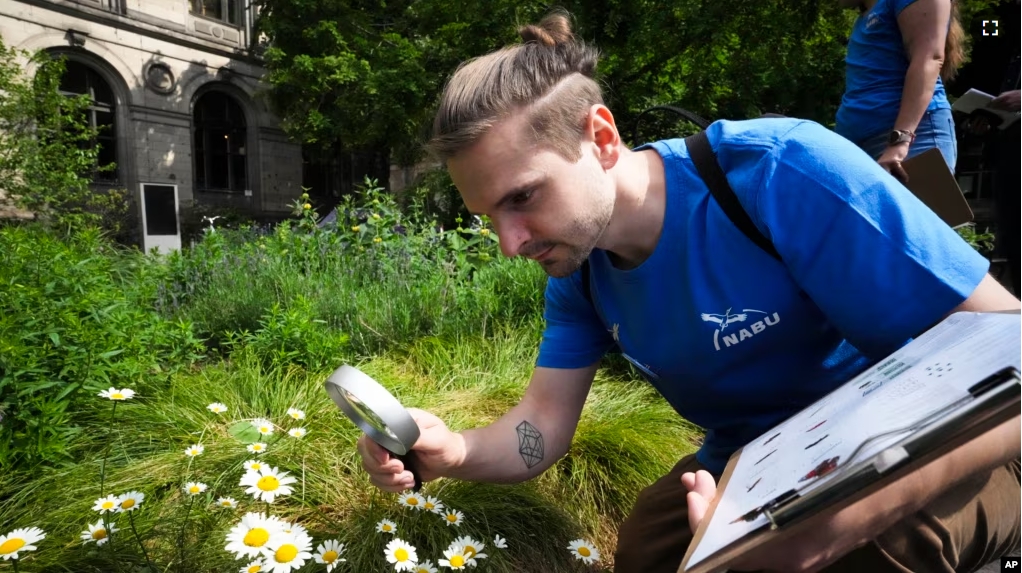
522	198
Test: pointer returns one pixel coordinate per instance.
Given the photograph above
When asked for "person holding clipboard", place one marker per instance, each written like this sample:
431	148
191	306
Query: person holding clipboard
738	322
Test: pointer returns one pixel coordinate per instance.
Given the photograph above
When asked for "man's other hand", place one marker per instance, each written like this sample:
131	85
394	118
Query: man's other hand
1007	101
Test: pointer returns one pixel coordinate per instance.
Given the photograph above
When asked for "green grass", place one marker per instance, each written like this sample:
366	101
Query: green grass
626	439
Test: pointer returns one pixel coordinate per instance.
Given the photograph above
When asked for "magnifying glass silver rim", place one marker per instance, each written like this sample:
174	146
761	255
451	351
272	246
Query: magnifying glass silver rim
378	400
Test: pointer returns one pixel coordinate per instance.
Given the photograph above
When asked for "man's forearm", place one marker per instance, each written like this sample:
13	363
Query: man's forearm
920	80
878	512
519	446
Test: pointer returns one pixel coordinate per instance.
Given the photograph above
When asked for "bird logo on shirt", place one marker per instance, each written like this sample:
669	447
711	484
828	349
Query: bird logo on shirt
725	319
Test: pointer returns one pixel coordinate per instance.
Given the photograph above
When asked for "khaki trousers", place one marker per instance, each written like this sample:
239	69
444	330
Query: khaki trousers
976	523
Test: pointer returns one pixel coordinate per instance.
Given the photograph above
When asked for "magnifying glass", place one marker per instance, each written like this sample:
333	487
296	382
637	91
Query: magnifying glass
376	412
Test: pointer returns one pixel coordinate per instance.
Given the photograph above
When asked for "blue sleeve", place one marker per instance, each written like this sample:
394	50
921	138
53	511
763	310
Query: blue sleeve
574	336
876	260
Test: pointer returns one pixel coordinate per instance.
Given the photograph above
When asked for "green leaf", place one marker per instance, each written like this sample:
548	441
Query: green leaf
245	432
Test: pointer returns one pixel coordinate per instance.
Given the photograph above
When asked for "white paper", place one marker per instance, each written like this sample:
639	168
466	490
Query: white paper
933	371
975	99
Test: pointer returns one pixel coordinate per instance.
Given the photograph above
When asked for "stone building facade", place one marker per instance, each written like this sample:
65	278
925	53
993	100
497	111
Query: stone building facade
177	90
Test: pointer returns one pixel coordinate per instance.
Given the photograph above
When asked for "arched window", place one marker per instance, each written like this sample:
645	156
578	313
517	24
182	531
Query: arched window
219	144
78	79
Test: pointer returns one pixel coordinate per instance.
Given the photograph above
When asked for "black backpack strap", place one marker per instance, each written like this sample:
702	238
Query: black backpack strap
709	169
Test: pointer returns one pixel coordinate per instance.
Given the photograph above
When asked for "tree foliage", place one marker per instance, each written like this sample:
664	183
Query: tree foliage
367	73
47	151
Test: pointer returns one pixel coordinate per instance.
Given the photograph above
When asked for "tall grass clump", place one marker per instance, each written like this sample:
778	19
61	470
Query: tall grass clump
627	438
75	318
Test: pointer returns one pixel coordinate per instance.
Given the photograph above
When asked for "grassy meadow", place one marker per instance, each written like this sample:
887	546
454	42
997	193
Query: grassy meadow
255	320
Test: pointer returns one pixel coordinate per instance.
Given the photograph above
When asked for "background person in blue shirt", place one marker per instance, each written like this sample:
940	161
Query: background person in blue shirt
899	55
527	140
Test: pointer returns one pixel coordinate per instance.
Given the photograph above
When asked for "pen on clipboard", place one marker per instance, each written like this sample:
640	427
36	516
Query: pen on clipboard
792	504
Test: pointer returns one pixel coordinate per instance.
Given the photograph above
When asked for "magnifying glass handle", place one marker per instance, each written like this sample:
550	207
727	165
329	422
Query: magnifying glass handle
407	461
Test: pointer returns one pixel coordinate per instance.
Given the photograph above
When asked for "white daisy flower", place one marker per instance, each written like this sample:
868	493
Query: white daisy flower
267	483
424	567
584	550
253	567
329	553
194	487
217	408
250	535
105	504
195	450
254	466
453	517
19	540
471	547
227	503
115	394
499	542
433	504
98	533
129	501
386	526
412	501
401	555
287	527
297	432
456	559
287	552
296	413
264	426
257	448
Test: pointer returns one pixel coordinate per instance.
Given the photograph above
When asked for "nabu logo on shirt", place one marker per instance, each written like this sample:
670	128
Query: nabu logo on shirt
873	20
739	333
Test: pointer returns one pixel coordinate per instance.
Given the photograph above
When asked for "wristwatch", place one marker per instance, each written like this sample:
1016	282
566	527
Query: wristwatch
900	136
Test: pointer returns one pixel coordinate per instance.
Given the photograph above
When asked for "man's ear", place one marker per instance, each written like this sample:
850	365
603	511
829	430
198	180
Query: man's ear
602	131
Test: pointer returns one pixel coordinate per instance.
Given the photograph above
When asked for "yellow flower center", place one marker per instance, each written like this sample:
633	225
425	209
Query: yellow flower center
225	503
256	537
294	415
469	551
264	429
256	467
257	447
457	561
268	483
99	534
386	527
11	545
108	504
452	517
254	569
330	556
584	551
413	501
117	396
429	505
128	503
401	555
286	553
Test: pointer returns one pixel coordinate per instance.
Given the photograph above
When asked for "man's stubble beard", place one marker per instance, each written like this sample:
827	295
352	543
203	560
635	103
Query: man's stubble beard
579	241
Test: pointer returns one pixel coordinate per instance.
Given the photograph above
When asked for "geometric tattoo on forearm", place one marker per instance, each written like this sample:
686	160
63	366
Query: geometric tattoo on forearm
530	444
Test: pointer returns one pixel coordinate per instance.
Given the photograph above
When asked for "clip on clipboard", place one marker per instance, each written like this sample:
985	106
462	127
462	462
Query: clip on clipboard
988	404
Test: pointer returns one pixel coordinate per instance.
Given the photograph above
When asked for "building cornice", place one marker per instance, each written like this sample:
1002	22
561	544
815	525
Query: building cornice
137	23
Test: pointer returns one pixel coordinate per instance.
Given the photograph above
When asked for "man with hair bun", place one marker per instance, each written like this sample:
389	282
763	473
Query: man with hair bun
863	267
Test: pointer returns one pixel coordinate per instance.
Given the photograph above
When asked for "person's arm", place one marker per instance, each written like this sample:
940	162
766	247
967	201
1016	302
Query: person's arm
813	548
533	435
923	25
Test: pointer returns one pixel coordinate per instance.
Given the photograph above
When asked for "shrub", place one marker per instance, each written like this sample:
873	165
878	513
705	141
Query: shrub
74	320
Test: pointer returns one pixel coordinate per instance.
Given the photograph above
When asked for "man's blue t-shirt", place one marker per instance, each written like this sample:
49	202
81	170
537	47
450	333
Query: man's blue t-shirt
737	341
875	66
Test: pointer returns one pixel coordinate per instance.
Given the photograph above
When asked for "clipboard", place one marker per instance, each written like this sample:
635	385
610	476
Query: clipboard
932	182
990	402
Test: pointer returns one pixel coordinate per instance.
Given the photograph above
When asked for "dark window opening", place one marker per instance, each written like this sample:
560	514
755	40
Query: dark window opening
80	79
224	10
219	147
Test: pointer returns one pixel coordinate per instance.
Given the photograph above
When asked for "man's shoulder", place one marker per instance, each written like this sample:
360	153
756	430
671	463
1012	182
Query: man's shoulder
762	134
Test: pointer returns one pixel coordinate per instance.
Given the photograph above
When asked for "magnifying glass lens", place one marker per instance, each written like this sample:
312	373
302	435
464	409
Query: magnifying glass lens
368	415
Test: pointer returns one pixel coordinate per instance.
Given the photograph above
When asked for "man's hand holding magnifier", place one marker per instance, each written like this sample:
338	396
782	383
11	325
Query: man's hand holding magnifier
437	451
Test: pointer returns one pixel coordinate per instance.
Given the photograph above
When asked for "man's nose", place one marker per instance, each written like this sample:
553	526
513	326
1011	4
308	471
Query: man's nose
512	236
